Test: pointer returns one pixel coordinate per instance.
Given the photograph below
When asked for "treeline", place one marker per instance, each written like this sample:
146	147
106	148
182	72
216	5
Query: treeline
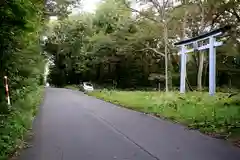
125	47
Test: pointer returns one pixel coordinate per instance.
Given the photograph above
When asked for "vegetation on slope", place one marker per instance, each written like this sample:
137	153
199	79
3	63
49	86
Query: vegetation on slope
218	115
22	61
15	125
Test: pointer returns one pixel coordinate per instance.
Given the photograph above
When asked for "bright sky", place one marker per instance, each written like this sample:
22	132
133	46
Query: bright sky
87	6
90	5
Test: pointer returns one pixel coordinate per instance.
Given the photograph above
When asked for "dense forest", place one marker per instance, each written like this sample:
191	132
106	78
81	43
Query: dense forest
20	49
124	46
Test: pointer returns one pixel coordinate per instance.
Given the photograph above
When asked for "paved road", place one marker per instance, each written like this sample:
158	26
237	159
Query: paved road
73	126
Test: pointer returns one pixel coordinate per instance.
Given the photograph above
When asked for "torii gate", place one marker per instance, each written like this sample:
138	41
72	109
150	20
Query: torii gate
195	42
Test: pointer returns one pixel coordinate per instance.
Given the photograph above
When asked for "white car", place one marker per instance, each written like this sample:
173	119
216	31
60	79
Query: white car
87	87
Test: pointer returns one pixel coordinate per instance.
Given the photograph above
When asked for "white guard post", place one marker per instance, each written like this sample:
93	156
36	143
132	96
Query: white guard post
7	90
211	45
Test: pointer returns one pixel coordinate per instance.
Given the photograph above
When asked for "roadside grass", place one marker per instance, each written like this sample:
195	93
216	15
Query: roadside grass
216	115
16	125
72	87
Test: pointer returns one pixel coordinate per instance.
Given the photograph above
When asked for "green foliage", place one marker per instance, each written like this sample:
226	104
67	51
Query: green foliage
60	8
15	125
22	61
104	47
21	58
219	115
112	46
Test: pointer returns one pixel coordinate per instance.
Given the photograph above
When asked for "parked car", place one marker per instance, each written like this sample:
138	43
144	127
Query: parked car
86	87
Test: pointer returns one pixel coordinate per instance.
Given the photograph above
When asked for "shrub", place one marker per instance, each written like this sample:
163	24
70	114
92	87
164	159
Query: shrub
15	125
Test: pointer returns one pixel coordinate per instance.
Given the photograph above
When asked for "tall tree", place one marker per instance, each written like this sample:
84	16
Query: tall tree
159	14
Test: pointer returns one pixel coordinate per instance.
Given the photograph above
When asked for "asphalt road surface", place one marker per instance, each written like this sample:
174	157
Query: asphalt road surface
74	126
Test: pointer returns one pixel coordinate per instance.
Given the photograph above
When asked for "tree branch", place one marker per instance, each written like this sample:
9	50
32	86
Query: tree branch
165	4
234	12
141	13
155	50
214	20
156	5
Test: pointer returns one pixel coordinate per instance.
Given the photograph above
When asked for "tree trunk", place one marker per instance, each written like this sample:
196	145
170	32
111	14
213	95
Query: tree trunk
200	70
201	54
168	62
205	74
170	69
166	57
230	81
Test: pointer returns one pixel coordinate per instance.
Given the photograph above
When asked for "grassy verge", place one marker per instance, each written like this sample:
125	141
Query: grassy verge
72	87
15	126
218	115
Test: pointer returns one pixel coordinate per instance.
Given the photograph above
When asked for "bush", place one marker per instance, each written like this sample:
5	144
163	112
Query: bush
15	125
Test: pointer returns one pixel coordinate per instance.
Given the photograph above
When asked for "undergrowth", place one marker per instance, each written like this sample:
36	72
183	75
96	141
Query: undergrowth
218	115
72	87
15	125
